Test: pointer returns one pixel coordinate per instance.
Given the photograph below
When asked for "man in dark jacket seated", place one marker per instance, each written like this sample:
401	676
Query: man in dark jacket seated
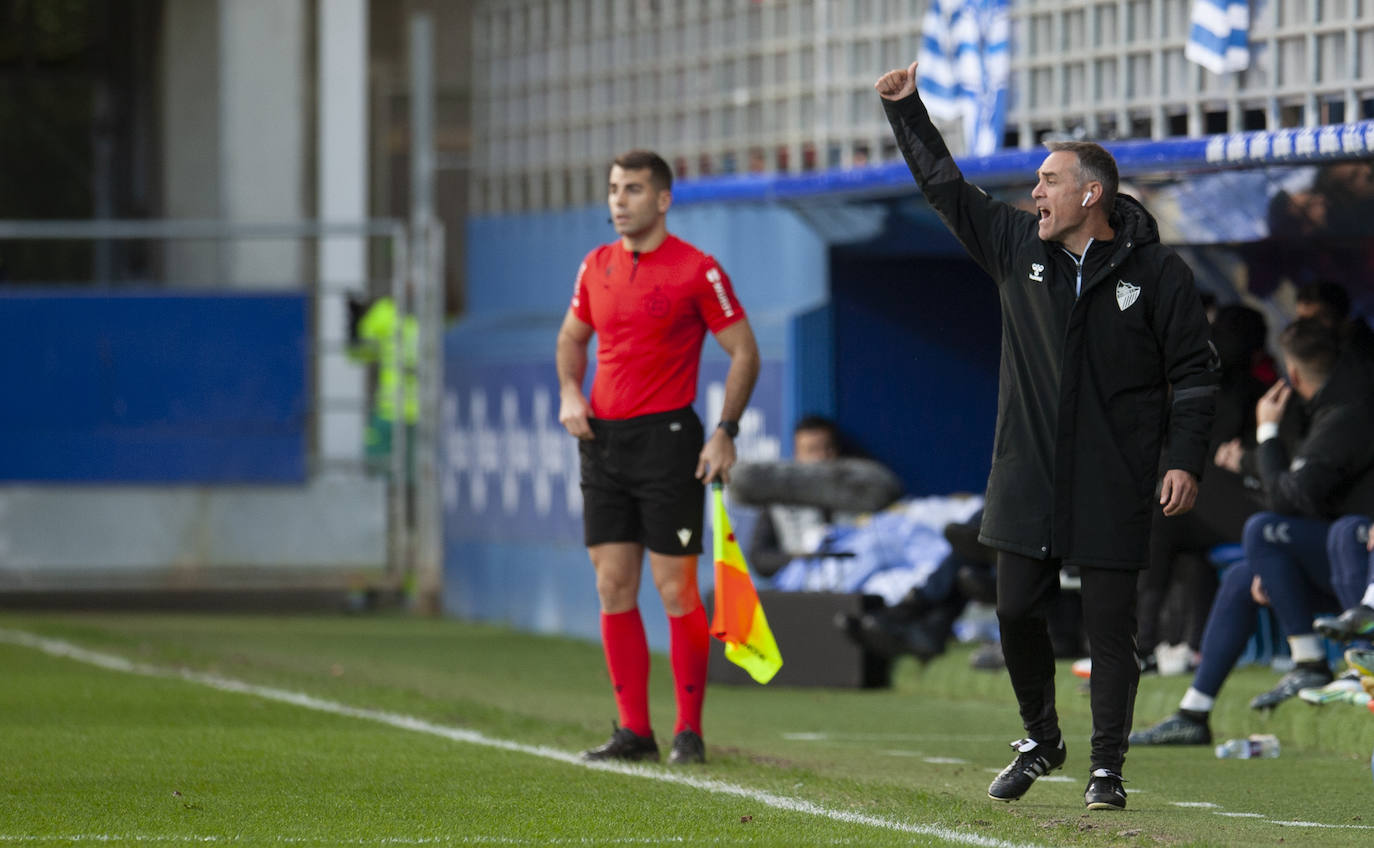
1331	473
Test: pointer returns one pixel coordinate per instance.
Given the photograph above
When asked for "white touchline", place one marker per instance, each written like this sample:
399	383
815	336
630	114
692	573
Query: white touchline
121	838
113	662
813	736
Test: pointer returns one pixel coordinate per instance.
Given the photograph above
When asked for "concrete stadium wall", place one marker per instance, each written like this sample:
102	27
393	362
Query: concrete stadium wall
325	533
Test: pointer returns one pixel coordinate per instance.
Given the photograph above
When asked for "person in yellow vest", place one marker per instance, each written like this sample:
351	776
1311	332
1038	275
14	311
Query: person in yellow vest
374	342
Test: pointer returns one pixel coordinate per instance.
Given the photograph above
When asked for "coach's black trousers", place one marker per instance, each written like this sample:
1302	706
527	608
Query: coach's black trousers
1026	589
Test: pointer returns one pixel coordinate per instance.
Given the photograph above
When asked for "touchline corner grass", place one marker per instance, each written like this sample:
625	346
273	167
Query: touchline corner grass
144	729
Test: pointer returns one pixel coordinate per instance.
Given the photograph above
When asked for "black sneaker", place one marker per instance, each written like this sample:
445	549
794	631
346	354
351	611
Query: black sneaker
1105	791
1177	729
1033	761
1354	623
624	744
687	748
1301	677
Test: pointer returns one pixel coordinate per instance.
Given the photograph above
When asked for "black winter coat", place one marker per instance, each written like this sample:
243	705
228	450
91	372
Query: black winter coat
1084	391
1331	472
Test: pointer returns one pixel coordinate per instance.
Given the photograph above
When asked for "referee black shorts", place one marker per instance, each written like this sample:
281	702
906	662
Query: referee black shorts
639	483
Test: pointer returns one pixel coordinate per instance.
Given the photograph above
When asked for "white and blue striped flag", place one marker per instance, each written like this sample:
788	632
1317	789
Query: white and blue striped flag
1218	38
965	62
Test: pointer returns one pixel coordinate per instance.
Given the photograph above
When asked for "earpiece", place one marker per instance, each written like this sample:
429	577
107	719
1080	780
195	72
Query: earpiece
1086	197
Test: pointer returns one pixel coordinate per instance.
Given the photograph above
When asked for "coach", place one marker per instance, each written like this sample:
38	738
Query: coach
1099	322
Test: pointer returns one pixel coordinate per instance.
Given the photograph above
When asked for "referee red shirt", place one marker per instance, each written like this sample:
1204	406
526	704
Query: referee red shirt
650	312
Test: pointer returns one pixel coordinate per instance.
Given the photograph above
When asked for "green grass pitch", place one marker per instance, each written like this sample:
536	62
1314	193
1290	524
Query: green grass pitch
437	732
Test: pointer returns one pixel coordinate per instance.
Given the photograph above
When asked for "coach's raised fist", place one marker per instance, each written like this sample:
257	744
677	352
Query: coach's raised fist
897	83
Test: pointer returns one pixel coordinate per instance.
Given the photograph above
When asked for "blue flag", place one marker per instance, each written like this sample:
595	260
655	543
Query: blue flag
1218	38
965	62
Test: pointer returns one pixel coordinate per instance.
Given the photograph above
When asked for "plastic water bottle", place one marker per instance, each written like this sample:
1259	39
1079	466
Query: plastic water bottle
1253	747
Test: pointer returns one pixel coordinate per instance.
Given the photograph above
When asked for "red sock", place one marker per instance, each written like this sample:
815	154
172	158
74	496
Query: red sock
689	649
627	659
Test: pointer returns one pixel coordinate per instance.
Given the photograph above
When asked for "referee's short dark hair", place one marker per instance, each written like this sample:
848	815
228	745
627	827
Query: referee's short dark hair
638	160
1095	162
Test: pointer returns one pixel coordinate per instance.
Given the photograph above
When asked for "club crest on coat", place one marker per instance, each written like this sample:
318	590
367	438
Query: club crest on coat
1126	294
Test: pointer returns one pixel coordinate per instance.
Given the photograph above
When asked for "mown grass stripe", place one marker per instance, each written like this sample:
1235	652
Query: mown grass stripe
112	662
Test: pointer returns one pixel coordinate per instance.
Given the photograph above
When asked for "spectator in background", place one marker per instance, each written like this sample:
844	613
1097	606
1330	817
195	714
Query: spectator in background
1297	214
1179	544
1329	302
373	341
921	623
1286	566
1348	189
784	532
1331	474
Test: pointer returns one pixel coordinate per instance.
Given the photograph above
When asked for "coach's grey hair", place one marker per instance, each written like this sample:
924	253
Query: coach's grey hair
1094	163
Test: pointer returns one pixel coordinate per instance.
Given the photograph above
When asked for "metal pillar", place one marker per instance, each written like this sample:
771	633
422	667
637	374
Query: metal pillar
427	263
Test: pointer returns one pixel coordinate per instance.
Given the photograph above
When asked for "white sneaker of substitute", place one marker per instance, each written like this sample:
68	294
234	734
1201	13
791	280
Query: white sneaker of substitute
1345	689
1173	659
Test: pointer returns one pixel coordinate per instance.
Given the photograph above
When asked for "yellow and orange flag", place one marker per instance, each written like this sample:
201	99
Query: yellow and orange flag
738	620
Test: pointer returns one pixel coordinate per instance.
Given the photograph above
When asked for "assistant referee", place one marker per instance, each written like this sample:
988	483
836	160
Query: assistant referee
650	298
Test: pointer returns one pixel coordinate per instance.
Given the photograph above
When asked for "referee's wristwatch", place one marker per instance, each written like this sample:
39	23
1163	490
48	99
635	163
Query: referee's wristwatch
731	428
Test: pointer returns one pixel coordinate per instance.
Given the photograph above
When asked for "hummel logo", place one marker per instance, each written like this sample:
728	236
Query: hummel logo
685	536
1126	294
1037	270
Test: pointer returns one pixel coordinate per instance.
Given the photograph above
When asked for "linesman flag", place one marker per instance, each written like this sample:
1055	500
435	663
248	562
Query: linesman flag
738	620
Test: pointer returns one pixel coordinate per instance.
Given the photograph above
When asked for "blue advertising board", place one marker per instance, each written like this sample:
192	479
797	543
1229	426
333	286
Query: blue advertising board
510	479
154	387
509	471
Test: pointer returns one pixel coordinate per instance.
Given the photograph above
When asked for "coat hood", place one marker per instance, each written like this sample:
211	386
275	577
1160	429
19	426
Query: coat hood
1129	218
